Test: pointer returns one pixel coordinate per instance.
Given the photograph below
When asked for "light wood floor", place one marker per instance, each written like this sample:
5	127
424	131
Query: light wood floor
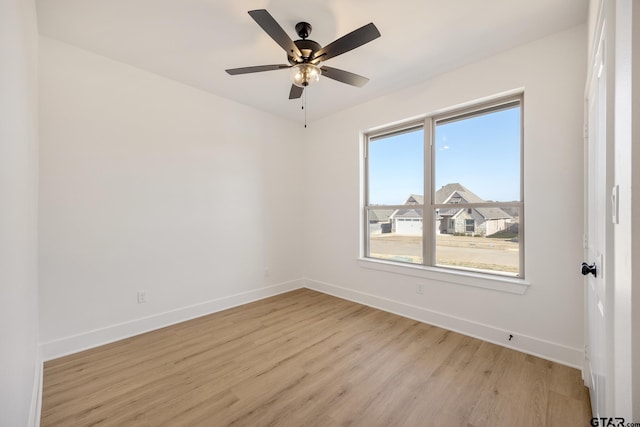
308	359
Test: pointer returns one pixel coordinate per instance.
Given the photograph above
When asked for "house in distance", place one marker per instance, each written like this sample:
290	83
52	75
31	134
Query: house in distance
477	221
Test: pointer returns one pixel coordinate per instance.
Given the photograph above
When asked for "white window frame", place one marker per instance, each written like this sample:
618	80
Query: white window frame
428	269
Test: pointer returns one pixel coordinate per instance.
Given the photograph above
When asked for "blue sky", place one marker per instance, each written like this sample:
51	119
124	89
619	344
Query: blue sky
482	153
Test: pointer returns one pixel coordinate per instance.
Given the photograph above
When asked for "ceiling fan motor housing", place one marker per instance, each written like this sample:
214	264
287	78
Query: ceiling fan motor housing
307	48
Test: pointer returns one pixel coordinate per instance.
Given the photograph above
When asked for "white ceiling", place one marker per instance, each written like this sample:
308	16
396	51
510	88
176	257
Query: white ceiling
194	41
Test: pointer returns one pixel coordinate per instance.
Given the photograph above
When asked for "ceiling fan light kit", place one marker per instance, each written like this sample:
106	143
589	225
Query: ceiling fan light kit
305	74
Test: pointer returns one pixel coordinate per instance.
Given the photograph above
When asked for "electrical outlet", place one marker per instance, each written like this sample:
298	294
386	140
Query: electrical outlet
419	289
142	297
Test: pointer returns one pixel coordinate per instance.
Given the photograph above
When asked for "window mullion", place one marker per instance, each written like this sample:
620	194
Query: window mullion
428	236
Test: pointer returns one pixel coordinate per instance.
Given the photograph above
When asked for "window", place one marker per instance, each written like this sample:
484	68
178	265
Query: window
446	191
470	226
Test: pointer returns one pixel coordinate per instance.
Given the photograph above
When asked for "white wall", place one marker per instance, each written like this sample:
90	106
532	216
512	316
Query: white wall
147	184
548	318
19	358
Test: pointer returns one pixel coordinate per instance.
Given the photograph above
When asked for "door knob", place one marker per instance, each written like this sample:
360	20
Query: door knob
586	269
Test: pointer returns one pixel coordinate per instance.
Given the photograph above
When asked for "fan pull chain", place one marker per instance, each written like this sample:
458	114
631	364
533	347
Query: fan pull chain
304	106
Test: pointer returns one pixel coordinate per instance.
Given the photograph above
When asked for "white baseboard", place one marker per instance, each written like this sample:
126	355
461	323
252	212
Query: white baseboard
36	396
73	344
537	347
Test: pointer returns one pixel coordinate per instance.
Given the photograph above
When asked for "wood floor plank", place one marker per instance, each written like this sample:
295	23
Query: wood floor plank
306	358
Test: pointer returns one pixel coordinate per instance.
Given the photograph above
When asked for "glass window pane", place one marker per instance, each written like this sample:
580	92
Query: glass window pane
396	167
491	246
480	152
395	234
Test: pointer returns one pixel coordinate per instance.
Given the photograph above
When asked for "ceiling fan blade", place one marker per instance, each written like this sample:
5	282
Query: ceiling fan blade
295	92
348	42
344	76
275	31
256	69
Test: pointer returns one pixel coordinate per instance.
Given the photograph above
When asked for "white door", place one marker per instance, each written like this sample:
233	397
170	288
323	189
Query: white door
597	198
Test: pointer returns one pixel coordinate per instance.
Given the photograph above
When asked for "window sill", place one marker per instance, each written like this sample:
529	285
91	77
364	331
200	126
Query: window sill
507	284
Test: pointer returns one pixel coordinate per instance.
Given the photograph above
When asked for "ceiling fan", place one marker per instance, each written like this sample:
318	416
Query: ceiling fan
305	55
